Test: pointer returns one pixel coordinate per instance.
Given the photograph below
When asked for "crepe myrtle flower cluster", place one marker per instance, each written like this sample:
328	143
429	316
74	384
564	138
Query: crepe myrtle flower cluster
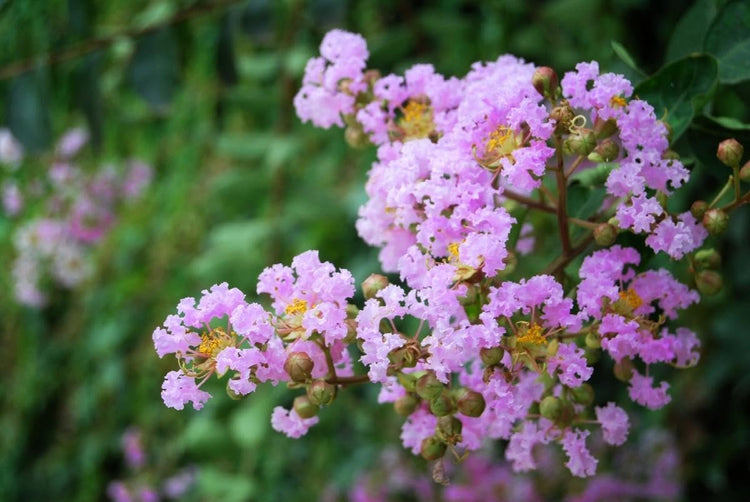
62	214
464	349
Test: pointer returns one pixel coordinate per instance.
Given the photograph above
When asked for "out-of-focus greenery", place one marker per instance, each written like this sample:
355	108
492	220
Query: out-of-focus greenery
202	91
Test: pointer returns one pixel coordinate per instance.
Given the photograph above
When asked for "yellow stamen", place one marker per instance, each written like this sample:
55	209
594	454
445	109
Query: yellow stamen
210	344
532	335
453	251
417	120
297	306
502	142
631	298
617	101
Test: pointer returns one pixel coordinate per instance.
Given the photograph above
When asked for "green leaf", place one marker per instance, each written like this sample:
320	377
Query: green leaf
728	39
28	111
154	70
584	202
595	176
687	37
730	123
678	90
626	58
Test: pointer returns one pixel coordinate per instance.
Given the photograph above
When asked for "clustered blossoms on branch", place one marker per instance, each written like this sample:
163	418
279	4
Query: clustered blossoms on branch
460	163
68	210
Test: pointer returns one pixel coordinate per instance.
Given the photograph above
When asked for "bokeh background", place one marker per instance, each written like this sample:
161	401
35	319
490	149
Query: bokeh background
202	92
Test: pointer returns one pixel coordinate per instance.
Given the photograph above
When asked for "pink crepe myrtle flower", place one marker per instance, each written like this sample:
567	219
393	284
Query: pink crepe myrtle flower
291	424
614	422
580	461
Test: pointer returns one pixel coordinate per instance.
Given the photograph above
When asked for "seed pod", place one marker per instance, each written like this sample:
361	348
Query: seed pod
708	282
716	221
545	81
441	406
491	356
406	404
698	209
373	284
550	408
707	259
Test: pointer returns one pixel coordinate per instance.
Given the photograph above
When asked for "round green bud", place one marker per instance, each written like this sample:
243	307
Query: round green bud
406	404
605	234
470	403
582	142
428	386
407	380
592	355
442	405
730	152
624	370
321	392
491	356
592	341
716	221
299	366
707	259
550	408
305	408
373	284
745	172
545	82
698	209
606	151
584	394
448	428
432	448
708	282
356	137
604	128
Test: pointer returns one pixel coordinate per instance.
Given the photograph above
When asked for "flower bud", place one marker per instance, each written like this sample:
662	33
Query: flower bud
356	137
432	448
606	151
698	209
299	366
545	82
745	172
592	355
581	142
321	392
730	152
563	115
584	394
707	259
624	370
491	356
406	404
550	408
716	221
428	386
305	408
604	128
592	341
449	429
605	234
407	380
442	405
373	284
708	282
470	403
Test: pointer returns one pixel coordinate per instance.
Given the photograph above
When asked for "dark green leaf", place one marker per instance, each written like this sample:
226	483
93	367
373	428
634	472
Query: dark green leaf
687	37
677	91
730	123
584	202
154	70
626	58
28	112
728	39
595	176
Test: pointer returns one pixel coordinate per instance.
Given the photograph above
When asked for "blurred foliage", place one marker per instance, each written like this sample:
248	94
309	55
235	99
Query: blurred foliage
202	90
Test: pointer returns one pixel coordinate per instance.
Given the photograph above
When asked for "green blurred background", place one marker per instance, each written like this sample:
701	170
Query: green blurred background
202	91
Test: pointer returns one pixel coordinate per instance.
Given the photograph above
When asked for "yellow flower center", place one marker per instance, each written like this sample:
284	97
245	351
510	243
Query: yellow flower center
631	298
502	142
453	251
532	335
417	120
617	101
297	306
213	342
